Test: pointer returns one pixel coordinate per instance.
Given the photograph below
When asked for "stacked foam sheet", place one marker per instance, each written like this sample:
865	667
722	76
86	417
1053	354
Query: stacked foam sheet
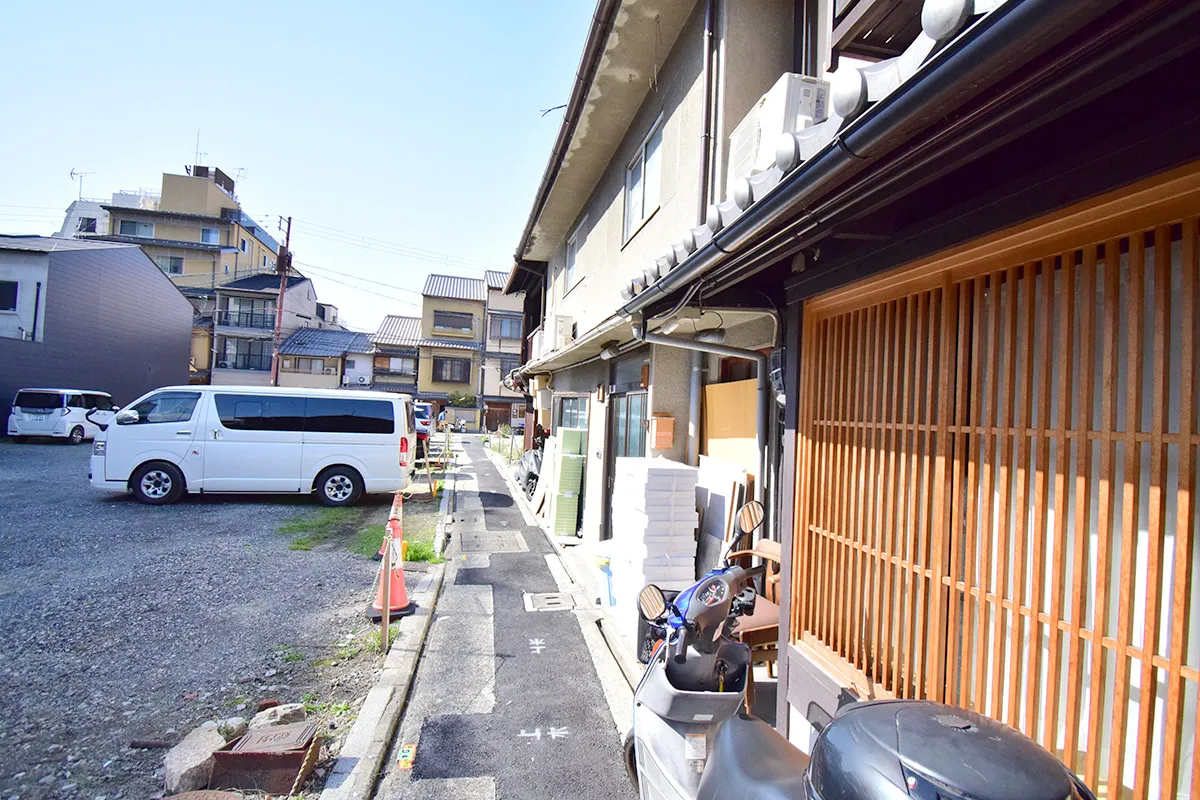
654	523
568	463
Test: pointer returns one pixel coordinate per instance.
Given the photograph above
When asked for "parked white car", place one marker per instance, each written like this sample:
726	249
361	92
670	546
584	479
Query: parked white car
59	413
337	443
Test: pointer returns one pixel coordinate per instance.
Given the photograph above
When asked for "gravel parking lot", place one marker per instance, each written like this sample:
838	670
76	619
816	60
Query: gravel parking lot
122	621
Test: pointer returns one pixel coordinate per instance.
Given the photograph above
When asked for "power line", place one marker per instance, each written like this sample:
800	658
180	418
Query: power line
372	292
357	278
371	242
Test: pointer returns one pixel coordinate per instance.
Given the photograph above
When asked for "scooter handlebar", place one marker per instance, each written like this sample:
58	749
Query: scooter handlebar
679	646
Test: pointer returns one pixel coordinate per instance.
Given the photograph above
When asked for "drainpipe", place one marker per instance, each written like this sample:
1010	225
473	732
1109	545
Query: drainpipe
706	136
764	387
697	386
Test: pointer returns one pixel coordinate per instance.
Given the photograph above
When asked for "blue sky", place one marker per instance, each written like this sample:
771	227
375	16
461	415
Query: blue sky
415	123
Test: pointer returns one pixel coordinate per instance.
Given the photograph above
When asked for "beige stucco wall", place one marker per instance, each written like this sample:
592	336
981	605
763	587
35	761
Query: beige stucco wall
201	348
425	381
431	304
187	195
241	377
307	380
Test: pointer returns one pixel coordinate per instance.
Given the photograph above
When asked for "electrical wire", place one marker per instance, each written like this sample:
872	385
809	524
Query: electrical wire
356	277
396	248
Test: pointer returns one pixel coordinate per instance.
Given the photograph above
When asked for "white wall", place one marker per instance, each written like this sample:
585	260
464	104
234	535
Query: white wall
362	369
28	270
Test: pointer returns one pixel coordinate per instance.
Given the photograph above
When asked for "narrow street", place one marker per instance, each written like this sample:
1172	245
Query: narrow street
507	702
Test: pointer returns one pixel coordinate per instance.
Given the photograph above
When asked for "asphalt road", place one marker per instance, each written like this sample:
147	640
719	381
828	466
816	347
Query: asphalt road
507	703
124	621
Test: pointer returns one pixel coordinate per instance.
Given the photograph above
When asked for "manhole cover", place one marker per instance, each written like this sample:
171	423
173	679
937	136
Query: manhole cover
548	601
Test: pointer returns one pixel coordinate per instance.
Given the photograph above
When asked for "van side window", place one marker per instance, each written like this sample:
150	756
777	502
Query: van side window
75	401
166	407
253	412
101	403
337	415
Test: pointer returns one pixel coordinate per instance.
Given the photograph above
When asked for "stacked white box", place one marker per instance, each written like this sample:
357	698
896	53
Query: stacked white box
654	523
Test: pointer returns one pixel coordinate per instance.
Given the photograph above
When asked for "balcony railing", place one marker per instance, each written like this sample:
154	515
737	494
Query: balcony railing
244	361
397	373
246	319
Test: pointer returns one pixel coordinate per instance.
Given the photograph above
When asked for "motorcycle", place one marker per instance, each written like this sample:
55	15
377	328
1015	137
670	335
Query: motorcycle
692	739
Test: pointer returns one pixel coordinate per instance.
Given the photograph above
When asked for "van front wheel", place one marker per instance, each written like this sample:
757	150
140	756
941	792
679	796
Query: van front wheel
339	486
157	483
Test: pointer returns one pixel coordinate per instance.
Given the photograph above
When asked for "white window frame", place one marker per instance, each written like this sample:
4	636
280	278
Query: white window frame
634	223
215	238
167	270
575	241
244	246
141	227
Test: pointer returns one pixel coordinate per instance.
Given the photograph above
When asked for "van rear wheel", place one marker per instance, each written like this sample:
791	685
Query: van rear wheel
76	435
339	486
157	483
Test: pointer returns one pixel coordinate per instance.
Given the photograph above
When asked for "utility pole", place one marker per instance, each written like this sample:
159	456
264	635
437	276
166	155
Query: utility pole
282	265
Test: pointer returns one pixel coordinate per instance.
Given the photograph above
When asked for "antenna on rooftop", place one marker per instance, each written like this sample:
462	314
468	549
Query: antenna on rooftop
199	155
77	175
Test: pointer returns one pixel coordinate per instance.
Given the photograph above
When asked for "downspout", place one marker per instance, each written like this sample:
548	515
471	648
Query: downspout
764	388
707	137
37	304
694	409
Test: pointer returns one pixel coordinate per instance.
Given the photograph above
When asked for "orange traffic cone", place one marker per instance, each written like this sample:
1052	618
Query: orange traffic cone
392	582
395	525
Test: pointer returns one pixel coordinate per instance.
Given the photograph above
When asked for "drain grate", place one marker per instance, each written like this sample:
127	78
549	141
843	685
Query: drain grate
549	601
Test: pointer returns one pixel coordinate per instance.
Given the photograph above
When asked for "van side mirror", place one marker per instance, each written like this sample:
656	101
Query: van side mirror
127	417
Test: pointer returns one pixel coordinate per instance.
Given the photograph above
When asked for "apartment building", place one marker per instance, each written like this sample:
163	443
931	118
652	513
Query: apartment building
954	312
243	339
195	229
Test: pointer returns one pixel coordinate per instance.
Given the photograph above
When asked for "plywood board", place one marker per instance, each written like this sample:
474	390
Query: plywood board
731	423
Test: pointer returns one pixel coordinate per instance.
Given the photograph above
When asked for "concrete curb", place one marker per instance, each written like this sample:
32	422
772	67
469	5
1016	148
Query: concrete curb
362	755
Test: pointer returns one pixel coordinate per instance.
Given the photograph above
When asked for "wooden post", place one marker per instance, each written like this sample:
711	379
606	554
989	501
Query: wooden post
386	577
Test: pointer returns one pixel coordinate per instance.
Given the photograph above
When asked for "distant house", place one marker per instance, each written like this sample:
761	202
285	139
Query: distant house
244	325
452	319
324	359
88	315
395	354
501	353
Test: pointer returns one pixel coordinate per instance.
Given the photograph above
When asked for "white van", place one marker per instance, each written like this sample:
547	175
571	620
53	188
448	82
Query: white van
337	443
59	413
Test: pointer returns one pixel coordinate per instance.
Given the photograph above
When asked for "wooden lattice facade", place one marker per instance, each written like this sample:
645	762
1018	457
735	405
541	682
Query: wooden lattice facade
996	467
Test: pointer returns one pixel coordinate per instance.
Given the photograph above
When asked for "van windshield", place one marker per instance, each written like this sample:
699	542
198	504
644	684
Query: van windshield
27	399
421	412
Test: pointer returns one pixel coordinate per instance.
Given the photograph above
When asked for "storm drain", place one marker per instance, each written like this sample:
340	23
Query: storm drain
548	601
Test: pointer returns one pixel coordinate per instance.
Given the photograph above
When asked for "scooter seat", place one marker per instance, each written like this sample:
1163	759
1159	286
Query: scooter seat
750	760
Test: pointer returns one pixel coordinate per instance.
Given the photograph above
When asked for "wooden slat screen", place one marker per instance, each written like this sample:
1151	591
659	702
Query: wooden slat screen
994	500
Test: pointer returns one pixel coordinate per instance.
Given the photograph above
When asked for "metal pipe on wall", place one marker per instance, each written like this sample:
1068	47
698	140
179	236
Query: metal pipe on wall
694	409
764	389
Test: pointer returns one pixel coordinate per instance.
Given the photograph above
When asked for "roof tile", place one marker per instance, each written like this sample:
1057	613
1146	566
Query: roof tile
455	288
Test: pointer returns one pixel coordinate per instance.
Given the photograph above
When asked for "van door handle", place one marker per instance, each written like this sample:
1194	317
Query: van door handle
183	433
216	434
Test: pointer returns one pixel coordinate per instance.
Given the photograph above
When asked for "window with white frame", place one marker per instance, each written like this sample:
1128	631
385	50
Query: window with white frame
210	236
575	243
172	265
244	245
643	180
131	227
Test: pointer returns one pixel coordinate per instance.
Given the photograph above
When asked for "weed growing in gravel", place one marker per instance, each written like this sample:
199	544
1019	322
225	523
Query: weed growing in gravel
368	540
311	530
290	654
371	640
338	709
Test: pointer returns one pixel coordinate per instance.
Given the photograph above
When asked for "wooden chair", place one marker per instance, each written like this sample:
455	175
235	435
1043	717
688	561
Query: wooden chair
760	630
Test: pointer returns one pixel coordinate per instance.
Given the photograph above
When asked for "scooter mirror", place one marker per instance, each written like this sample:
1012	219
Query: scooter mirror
652	605
750	516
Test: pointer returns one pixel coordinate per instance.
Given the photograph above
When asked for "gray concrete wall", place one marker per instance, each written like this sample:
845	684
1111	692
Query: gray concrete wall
670	394
114	322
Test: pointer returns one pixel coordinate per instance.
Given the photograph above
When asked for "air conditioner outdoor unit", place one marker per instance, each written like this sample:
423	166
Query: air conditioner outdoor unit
331	370
794	103
563	331
362	378
222	365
